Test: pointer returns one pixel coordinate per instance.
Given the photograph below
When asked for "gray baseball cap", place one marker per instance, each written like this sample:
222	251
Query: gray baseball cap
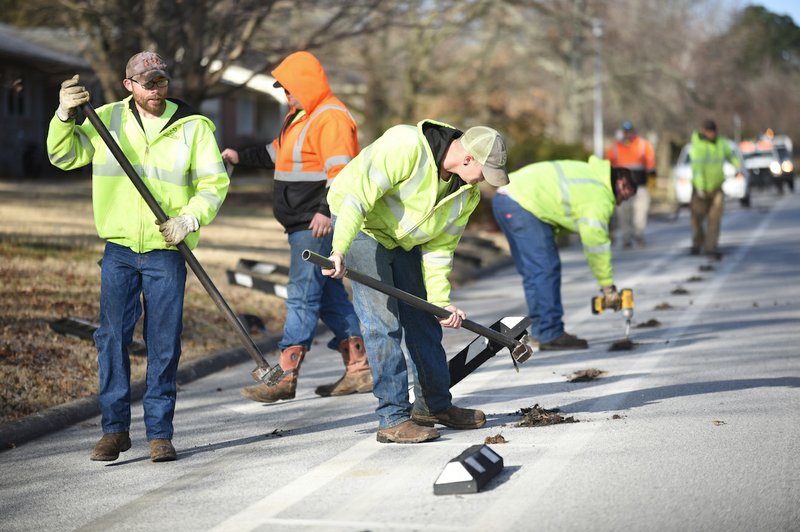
146	65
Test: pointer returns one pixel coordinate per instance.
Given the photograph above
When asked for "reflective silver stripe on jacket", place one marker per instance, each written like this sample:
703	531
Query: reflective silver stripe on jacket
598	249
591	222
562	183
437	258
335	161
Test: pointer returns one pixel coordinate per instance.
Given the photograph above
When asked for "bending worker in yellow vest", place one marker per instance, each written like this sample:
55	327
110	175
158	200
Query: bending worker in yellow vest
542	200
401	207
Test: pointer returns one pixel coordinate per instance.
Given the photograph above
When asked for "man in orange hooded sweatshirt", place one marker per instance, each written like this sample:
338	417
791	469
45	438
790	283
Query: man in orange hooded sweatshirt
317	139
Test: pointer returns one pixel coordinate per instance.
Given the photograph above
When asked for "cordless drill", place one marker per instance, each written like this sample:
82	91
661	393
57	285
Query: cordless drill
626	306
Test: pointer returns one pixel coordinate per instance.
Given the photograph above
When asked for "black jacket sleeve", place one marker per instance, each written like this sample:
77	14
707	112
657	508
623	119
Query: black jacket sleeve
256	156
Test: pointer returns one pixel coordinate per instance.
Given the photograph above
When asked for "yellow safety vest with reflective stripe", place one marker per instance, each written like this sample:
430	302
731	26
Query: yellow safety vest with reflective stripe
575	196
389	191
708	159
182	168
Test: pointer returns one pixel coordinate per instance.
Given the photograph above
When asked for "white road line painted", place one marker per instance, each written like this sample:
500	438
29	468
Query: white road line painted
267	508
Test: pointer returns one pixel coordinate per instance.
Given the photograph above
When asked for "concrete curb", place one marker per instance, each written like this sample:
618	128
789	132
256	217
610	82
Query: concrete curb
61	416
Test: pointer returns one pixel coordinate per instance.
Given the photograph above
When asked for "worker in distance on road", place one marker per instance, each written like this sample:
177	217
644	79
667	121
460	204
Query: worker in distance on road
401	207
180	163
708	154
542	200
637	155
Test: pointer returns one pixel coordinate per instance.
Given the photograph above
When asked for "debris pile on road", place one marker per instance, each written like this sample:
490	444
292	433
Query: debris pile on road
626	344
649	323
497	438
536	416
586	375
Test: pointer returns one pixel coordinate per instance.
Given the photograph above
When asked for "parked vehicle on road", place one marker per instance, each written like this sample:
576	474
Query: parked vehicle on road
735	186
763	162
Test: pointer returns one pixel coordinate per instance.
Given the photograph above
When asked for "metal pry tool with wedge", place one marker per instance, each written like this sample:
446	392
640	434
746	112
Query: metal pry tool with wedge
263	372
519	349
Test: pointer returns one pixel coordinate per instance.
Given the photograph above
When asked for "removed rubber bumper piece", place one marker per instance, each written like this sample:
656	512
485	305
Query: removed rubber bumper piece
454	417
407	432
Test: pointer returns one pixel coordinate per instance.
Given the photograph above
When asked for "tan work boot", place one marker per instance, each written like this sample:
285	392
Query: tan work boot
407	432
162	451
454	417
108	447
290	361
357	376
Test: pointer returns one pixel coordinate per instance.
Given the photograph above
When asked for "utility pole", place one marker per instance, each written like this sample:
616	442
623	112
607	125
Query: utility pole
597	31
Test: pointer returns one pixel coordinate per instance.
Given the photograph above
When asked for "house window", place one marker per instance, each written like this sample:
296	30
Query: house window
15	98
245	116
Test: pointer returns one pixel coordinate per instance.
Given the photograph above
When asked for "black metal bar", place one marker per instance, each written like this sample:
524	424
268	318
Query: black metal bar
263	373
413	300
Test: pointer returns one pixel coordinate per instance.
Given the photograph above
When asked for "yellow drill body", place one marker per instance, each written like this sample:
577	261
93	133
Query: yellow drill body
626	306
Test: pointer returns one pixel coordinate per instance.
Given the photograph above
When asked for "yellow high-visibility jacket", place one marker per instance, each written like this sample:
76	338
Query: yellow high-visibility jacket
182	168
389	191
575	196
708	159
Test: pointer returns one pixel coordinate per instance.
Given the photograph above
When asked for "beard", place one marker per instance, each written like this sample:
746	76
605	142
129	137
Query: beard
152	103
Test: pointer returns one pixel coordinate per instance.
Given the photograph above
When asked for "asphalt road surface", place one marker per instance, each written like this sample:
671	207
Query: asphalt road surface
696	428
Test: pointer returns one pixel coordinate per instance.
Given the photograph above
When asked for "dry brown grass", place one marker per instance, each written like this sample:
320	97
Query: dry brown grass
48	270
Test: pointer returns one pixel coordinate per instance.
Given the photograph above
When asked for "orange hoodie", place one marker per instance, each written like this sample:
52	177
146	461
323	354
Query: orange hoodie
314	144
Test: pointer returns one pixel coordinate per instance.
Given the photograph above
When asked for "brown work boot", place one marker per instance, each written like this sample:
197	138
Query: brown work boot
454	417
162	451
564	342
357	376
407	432
108	447
291	358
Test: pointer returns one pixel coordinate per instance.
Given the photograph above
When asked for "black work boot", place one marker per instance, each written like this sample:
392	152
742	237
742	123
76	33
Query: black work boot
454	417
108	447
564	342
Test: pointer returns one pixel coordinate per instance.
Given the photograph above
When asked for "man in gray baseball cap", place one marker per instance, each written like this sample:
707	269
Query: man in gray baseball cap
175	149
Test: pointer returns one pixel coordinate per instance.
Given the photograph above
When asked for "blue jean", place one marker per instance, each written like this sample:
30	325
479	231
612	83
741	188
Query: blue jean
159	278
387	322
311	296
535	254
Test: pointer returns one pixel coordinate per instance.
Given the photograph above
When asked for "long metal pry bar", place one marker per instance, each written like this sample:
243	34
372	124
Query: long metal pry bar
520	350
263	372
